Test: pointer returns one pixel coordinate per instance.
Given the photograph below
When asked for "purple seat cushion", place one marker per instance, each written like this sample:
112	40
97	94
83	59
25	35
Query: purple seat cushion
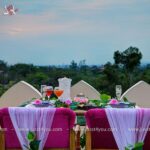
96	119
58	137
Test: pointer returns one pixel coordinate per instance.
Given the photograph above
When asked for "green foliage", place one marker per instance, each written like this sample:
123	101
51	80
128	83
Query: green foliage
125	99
31	136
58	103
38	77
125	71
33	143
3	66
83	140
73	65
2	89
129	60
137	146
95	102
146	74
74	105
81	120
105	98
132	105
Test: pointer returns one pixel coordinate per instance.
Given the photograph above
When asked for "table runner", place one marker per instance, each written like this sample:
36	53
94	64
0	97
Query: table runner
143	123
32	119
129	125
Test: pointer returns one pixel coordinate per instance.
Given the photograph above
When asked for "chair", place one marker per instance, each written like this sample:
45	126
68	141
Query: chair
19	94
62	136
98	133
136	92
86	89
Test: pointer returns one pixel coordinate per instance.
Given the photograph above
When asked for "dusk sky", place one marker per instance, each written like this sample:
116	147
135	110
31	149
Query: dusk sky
55	32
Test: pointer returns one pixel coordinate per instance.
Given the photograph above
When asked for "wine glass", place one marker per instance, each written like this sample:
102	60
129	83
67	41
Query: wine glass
58	92
118	91
43	90
49	91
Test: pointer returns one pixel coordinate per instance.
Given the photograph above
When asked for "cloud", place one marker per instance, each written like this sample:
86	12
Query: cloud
47	23
30	26
66	17
27	24
92	4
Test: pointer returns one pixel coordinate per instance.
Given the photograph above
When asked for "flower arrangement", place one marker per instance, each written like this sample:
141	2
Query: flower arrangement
113	101
41	103
66	103
106	101
120	104
37	102
103	102
81	100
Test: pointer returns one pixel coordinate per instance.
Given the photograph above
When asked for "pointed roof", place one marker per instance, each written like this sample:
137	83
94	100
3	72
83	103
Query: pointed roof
18	94
86	89
139	93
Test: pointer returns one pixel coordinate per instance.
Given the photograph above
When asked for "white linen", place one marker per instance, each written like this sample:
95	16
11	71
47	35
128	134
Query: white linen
121	121
143	123
131	124
32	119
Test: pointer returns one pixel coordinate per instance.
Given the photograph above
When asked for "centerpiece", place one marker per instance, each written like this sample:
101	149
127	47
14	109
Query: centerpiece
120	104
107	102
81	101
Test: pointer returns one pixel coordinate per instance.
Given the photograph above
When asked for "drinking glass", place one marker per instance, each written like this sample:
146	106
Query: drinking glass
58	92
49	91
43	91
118	91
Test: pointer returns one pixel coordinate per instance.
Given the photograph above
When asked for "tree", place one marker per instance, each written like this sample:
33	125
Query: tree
3	66
20	71
111	76
146	74
83	67
37	79
129	59
3	72
73	65
117	57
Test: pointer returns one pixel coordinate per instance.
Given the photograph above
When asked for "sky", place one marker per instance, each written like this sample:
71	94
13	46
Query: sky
55	32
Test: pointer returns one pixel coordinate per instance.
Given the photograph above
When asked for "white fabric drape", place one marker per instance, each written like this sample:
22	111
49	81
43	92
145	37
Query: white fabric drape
129	125
143	123
32	119
121	121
